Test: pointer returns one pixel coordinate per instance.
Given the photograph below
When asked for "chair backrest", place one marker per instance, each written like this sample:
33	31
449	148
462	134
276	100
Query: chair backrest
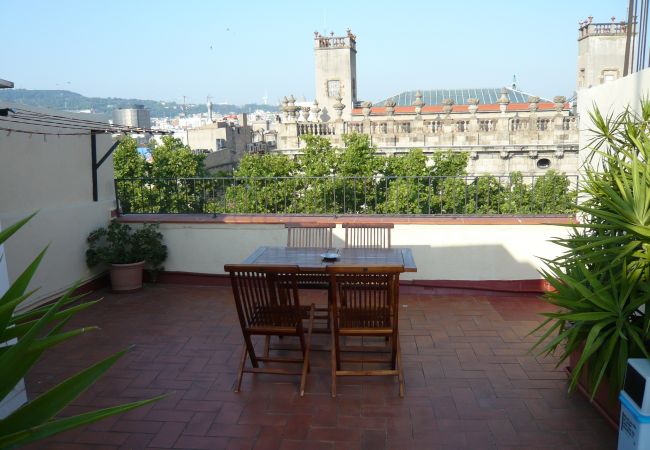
364	235
309	235
266	297
365	298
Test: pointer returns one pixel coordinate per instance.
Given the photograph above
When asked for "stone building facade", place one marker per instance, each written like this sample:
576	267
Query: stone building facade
503	130
224	143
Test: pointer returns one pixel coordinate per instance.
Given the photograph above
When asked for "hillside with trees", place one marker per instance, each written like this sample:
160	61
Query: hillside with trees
71	101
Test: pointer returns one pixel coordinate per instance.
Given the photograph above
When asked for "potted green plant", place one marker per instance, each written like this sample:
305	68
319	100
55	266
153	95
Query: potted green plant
127	251
601	283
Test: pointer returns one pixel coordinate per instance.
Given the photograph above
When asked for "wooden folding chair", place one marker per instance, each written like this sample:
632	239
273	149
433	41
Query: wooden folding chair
309	235
267	304
367	235
313	235
366	303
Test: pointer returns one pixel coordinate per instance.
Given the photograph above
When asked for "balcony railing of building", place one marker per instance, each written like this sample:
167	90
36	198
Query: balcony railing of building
550	194
637	56
317	129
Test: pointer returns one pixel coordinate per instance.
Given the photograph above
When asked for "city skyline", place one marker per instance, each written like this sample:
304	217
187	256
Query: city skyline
240	53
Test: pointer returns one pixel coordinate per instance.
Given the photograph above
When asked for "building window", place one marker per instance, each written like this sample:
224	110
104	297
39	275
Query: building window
333	88
542	124
543	163
609	75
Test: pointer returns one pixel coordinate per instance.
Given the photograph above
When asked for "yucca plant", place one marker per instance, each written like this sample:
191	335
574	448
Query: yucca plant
602	281
24	338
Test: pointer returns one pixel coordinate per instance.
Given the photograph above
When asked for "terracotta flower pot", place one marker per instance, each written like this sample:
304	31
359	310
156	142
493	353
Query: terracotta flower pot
607	406
126	277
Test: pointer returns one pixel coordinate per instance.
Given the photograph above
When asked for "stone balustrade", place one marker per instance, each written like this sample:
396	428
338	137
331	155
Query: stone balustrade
442	132
325	42
317	129
601	29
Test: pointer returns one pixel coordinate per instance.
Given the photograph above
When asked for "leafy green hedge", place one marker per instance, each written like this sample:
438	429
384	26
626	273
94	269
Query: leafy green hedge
324	180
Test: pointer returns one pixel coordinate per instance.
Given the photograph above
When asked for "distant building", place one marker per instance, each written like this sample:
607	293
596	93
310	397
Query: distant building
224	142
133	116
4	84
601	52
502	129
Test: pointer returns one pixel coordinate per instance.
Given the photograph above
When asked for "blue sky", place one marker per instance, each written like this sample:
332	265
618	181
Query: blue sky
237	51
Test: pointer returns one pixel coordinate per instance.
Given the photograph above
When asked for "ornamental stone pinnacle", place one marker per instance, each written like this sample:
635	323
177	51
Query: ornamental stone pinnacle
316	111
367	107
338	107
472	105
533	102
418	103
284	106
447	104
390	106
305	113
503	100
559	101
291	107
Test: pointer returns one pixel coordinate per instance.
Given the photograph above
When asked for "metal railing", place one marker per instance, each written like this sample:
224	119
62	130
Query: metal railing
637	54
551	194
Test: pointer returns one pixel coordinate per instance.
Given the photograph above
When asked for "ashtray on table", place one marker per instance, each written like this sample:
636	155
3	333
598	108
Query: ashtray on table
329	256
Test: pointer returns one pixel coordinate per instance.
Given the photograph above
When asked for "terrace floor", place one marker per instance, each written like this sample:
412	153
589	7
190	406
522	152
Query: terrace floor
470	383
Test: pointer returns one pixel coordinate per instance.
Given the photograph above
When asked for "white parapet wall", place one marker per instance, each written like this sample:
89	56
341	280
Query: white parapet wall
441	252
611	98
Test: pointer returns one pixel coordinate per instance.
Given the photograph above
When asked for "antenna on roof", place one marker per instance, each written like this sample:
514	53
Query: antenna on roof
514	82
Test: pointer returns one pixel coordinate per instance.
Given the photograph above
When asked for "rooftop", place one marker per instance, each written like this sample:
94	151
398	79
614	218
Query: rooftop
432	97
470	382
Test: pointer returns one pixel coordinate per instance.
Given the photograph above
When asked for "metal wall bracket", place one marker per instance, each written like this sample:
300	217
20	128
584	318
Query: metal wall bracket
96	164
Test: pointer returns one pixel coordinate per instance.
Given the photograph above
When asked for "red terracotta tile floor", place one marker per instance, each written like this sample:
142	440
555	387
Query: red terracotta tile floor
470	382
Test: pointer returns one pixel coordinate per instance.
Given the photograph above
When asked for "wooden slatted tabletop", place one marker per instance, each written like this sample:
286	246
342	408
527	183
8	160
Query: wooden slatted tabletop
310	260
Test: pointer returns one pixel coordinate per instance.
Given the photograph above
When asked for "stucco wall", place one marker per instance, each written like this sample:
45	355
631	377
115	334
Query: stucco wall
611	98
441	252
52	175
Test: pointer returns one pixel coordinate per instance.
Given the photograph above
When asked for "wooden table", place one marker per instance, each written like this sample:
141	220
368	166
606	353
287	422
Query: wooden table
309	259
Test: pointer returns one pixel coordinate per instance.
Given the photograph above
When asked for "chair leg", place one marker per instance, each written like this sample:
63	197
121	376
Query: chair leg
305	364
241	369
334	351
394	350
400	373
267	346
330	299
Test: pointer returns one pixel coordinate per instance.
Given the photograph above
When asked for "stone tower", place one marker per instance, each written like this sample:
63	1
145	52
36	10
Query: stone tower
601	52
336	73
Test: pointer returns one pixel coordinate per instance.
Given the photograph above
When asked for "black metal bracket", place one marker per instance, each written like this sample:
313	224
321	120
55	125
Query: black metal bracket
96	164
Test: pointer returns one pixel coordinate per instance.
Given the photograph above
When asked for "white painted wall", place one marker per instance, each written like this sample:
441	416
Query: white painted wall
611	98
52	175
441	252
18	395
